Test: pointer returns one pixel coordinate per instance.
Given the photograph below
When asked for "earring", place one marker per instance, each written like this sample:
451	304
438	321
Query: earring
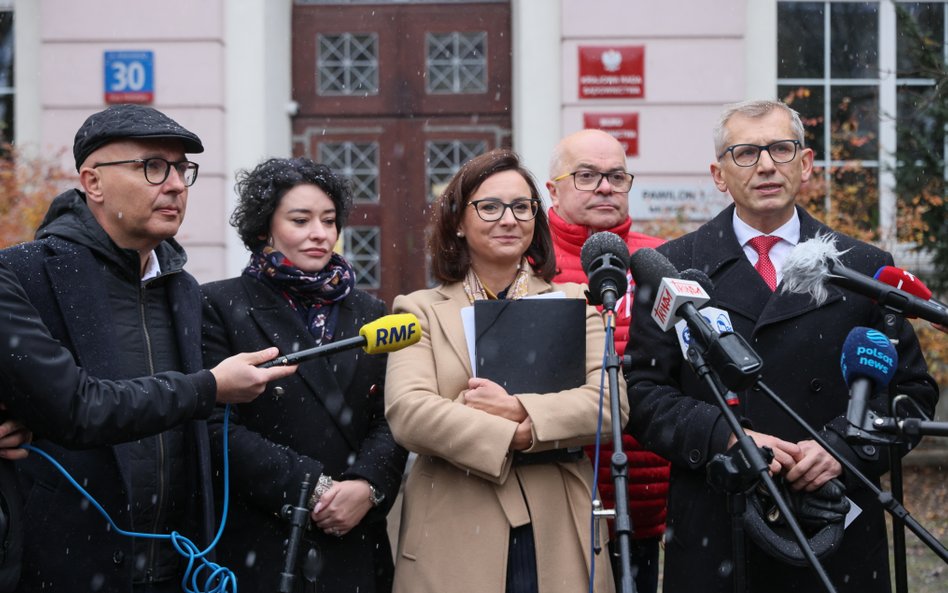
460	234
270	241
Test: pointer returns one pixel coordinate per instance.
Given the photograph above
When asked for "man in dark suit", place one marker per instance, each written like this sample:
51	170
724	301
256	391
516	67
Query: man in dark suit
106	277
762	162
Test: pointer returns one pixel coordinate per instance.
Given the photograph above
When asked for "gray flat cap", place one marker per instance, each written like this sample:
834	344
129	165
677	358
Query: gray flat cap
129	121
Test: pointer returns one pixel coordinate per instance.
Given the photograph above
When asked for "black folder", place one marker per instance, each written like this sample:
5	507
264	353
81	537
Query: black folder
535	345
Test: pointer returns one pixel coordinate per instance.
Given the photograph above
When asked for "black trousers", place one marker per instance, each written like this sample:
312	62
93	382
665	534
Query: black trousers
522	561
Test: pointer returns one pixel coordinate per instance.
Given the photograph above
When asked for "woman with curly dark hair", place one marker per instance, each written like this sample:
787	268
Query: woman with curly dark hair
327	420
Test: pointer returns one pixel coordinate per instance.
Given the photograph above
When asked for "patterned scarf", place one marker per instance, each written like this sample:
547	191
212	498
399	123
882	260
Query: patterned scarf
476	291
311	295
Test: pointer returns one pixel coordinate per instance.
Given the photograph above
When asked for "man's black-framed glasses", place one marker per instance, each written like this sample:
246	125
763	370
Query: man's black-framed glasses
586	180
492	209
747	155
157	169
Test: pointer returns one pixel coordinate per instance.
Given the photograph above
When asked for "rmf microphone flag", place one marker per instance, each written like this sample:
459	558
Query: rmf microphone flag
390	333
385	334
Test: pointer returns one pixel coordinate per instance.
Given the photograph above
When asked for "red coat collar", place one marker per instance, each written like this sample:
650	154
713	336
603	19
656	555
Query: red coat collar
572	236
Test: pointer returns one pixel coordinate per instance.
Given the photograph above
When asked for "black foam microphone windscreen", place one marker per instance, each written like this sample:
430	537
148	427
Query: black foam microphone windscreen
648	267
601	243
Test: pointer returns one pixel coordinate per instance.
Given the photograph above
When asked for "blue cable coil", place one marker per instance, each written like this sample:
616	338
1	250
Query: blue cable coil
218	579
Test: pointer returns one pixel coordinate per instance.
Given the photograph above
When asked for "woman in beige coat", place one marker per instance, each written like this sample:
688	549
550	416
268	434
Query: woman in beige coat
476	517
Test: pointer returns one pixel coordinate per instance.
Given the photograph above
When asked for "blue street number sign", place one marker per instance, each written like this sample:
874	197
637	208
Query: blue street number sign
129	76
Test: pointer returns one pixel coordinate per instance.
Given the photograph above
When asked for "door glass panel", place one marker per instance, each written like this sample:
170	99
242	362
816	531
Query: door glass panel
457	62
358	161
445	159
362	248
348	64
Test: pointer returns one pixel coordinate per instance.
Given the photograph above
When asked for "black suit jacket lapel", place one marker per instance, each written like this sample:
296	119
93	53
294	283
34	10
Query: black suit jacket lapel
289	334
783	305
737	285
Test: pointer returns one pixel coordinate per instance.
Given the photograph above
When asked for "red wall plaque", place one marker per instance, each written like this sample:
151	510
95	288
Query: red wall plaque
612	72
623	126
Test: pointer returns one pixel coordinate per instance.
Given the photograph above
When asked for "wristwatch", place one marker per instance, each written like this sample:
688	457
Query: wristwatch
375	496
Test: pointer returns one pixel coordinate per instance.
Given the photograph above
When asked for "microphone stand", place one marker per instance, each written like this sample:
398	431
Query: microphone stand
298	517
896	450
607	282
893	428
619	465
752	462
887	500
912	427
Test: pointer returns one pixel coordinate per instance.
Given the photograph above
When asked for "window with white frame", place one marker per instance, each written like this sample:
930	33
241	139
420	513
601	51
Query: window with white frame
6	75
846	67
914	86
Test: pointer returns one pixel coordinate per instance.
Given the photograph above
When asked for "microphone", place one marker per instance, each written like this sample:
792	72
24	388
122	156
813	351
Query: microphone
728	353
678	299
675	298
605	259
868	363
815	262
907	281
903	280
701	278
386	334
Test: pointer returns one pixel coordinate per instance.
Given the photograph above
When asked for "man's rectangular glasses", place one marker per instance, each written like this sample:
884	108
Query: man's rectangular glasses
747	155
492	209
585	180
157	169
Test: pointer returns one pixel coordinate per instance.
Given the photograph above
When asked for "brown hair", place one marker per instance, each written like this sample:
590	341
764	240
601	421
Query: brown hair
450	258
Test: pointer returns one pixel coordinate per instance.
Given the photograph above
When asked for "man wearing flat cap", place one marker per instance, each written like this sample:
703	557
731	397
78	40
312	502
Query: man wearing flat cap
107	278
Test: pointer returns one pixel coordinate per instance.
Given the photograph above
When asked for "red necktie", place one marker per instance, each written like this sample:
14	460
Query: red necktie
765	267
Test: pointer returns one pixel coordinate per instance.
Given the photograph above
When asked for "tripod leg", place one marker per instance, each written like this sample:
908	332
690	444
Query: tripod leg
898	526
736	504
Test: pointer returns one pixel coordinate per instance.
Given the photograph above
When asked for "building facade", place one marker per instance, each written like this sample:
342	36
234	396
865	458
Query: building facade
398	94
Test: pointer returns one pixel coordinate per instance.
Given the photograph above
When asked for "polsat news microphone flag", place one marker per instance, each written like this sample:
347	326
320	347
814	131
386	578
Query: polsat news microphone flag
386	334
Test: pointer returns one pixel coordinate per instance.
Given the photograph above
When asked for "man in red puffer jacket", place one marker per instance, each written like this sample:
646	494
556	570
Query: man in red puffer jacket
589	187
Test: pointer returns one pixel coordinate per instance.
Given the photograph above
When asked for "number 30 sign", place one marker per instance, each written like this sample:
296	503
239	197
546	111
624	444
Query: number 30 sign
129	77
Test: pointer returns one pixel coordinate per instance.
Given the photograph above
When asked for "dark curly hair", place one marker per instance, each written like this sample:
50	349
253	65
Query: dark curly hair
260	191
450	257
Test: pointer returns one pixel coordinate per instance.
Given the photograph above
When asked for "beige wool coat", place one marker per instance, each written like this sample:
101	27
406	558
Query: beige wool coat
463	495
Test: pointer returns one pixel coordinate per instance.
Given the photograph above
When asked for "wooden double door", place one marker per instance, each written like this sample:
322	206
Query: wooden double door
397	97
